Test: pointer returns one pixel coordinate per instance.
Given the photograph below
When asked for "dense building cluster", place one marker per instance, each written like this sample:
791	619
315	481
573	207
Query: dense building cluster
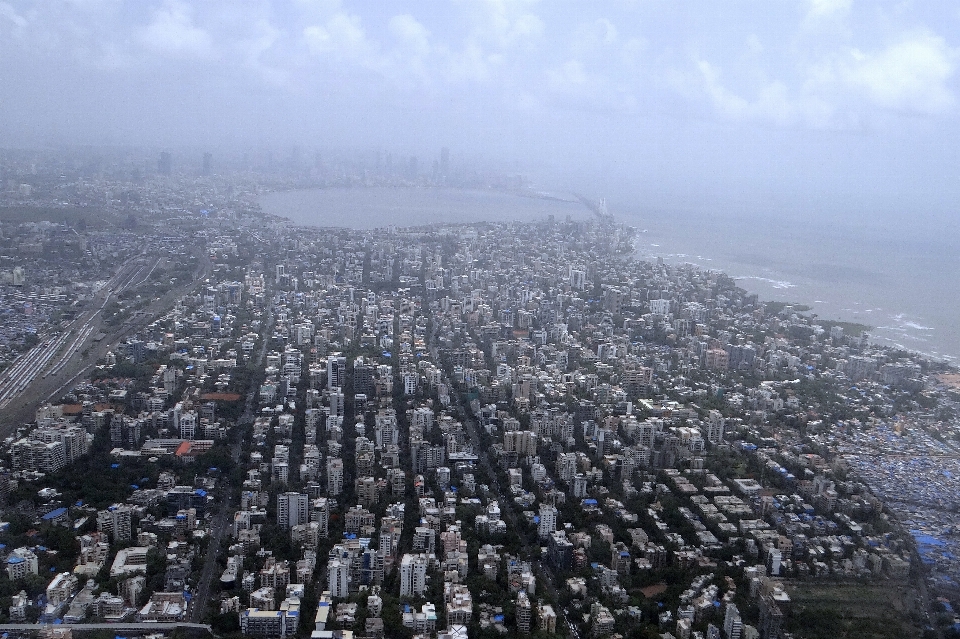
466	430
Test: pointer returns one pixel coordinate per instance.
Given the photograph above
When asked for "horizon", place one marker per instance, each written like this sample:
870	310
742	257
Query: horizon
829	106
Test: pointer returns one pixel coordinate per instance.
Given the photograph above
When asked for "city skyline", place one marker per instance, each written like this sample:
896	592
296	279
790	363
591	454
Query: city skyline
824	106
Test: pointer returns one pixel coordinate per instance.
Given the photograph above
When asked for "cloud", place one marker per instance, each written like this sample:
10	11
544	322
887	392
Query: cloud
910	75
172	32
469	64
254	48
504	24
413	36
7	12
342	35
829	8
501	37
841	88
594	36
568	75
773	102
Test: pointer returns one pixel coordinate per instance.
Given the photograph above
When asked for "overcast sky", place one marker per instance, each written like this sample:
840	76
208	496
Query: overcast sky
826	104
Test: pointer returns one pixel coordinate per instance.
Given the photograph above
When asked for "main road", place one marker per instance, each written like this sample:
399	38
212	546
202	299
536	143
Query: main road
145	627
226	504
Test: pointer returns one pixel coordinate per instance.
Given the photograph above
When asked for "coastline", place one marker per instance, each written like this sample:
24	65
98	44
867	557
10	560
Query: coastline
895	329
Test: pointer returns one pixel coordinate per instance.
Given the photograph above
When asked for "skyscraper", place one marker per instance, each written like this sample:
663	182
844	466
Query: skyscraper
292	509
548	521
336	369
165	163
523	612
207	163
413	575
334	476
444	163
338	578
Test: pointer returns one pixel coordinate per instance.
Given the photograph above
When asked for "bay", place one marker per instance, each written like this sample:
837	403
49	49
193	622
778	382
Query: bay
375	207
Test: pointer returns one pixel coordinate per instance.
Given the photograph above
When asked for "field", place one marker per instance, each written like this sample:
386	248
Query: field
852	611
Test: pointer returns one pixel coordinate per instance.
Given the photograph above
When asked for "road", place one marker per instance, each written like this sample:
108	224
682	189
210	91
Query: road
507	510
112	627
226	498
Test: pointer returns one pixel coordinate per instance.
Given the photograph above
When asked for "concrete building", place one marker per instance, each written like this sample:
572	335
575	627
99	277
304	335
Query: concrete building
338	578
22	562
334	476
413	575
548	521
523	613
546	619
292	509
116	522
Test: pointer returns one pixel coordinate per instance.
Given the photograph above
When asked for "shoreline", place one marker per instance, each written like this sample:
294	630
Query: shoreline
891	336
782	285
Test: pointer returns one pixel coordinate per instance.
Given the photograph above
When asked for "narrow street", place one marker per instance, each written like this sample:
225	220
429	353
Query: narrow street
225	503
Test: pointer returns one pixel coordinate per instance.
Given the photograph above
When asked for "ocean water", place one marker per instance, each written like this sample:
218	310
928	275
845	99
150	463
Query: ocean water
897	276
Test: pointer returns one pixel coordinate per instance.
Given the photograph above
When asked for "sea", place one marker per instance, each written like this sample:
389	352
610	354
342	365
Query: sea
897	276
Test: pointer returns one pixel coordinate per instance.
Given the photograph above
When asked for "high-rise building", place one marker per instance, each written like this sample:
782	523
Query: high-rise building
207	164
125	432
771	617
713	427
334	476
165	163
31	454
413	575
292	509
320	513
73	437
22	562
444	163
363	378
548	521
116	522
732	624
188	425
386	432
424	539
336	369
547	619
423	419
660	306
338	578
524	610
523	442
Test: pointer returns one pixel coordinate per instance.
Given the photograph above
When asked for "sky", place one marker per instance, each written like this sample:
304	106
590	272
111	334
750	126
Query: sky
826	105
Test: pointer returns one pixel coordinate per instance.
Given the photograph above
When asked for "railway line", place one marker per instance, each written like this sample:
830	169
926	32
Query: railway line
37	361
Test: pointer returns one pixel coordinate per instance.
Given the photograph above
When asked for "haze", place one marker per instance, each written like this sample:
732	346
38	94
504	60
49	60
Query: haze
830	106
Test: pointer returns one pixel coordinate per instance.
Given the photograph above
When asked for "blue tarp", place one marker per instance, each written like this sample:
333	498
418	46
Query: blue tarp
53	514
